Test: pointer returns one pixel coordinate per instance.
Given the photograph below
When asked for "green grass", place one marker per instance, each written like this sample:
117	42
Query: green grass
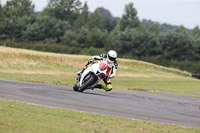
18	117
182	85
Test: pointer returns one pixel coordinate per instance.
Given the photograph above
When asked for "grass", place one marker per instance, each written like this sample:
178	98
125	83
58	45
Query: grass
18	117
60	69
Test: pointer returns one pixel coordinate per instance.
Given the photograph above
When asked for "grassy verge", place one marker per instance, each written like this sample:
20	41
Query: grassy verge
17	117
60	69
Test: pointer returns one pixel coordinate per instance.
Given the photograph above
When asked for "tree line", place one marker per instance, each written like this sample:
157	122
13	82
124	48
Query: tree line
67	26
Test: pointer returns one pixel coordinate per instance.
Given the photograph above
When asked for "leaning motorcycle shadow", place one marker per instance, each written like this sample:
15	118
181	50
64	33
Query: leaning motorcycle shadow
99	93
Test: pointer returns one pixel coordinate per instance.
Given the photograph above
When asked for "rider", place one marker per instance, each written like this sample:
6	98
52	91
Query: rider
110	57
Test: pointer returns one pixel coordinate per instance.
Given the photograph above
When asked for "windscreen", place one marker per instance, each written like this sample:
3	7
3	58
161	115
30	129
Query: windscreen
102	66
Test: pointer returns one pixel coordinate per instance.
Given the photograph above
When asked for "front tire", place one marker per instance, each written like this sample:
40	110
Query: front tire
87	83
75	87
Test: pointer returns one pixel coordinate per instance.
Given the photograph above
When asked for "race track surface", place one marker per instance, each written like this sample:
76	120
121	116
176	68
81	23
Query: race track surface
180	110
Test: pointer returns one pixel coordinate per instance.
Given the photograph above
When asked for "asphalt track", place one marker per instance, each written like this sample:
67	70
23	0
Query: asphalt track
180	110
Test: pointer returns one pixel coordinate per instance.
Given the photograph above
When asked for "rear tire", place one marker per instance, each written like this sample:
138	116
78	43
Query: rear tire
87	83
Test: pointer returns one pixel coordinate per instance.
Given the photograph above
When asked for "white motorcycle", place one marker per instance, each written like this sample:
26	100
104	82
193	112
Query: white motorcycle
91	76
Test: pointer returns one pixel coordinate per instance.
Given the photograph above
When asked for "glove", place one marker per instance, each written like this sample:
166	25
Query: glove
102	55
90	61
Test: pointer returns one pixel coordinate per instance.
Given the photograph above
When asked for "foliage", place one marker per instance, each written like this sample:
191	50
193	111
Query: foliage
109	22
164	27
63	9
96	20
154	29
2	14
83	18
18	8
104	12
133	43
68	27
46	27
69	38
177	45
14	28
129	19
196	42
96	38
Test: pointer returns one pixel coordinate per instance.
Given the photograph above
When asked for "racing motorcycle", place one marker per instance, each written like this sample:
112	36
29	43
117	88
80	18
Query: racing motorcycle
91	76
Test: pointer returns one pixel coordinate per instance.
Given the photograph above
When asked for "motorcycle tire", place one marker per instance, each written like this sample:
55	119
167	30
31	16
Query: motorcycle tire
75	87
89	82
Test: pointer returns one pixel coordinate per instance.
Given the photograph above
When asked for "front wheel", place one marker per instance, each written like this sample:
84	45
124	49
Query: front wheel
75	87
88	83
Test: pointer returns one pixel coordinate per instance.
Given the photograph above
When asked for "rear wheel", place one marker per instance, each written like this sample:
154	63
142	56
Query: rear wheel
89	82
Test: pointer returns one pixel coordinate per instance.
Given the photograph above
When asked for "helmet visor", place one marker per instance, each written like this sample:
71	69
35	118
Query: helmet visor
111	58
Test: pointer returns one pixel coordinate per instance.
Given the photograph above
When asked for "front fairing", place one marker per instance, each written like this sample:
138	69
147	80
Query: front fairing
95	69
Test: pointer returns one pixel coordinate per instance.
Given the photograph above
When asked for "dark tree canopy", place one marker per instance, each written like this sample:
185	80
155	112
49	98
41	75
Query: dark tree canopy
18	8
63	9
104	12
129	18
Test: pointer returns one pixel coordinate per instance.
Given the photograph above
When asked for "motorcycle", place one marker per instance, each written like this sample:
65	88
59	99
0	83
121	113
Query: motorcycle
91	76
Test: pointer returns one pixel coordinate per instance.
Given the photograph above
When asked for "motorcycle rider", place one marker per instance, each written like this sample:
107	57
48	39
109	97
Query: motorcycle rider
110	57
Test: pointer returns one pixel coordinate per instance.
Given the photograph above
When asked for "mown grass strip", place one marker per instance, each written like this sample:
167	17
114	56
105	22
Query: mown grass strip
18	117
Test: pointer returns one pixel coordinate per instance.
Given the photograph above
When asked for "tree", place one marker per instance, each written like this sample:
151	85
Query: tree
46	27
109	22
129	18
196	32
96	38
19	8
63	9
154	29
1	12
137	44
177	45
69	38
96	20
82	37
113	36
104	12
14	28
196	42
83	18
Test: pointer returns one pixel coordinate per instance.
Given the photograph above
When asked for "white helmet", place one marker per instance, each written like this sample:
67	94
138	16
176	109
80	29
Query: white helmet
112	55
